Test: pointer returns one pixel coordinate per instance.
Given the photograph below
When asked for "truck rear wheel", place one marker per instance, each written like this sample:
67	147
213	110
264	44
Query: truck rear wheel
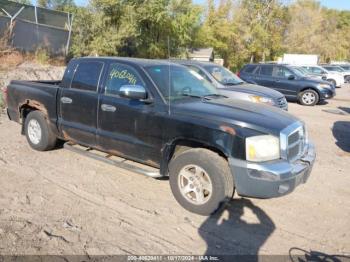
38	132
200	180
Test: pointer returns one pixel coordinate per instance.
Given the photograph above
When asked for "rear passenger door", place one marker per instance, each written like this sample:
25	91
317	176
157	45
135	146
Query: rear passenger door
265	76
78	104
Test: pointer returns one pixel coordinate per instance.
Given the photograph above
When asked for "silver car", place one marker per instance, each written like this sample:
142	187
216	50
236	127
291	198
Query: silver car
232	86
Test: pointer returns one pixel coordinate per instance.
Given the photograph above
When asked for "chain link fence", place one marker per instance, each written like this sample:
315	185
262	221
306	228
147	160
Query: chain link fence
33	28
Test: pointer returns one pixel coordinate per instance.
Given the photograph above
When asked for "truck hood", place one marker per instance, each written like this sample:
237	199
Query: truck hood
263	118
253	90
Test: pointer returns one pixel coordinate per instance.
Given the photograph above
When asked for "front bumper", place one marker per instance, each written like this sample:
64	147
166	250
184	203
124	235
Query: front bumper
327	94
271	179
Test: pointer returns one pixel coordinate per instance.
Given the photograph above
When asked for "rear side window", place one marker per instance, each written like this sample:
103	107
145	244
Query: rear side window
266	70
249	68
87	76
120	75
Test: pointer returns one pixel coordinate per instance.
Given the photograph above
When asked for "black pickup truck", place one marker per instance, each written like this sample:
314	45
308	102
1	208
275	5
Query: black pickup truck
163	115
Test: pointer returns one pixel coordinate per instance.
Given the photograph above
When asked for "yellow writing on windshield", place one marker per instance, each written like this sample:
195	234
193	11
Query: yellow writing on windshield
123	75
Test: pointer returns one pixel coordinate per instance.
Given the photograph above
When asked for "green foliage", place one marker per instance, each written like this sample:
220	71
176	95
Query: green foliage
239	30
316	30
42	56
60	5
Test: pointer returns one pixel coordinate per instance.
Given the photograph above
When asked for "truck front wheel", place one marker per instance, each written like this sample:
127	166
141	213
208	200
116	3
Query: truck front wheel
200	180
38	132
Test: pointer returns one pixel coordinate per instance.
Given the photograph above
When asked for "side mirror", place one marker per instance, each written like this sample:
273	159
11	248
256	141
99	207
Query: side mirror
133	92
291	77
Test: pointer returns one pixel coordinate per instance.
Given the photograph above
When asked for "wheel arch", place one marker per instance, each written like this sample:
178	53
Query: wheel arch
181	145
309	88
30	106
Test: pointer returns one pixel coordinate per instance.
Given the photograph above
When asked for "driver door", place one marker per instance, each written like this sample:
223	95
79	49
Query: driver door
127	127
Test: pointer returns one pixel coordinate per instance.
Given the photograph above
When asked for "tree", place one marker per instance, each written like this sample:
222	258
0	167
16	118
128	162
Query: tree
316	30
60	5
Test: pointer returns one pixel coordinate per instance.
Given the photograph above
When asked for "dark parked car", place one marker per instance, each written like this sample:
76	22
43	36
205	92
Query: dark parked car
289	81
162	115
232	86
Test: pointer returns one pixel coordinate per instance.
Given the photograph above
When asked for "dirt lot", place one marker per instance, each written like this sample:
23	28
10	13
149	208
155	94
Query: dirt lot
59	202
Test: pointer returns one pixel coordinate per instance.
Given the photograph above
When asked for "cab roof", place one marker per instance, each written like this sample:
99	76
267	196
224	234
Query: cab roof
131	60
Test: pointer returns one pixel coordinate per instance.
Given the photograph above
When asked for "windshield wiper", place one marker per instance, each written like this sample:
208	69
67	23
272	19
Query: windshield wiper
233	84
189	95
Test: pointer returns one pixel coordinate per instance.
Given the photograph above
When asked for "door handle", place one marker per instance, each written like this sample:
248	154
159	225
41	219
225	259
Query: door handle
66	100
108	108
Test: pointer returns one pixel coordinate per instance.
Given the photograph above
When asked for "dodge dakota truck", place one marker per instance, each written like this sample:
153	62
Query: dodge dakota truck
165	116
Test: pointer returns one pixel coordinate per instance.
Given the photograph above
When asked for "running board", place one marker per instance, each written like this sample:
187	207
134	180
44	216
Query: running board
114	160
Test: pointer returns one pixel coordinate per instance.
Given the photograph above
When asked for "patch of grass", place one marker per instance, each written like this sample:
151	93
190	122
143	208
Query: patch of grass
42	56
2	103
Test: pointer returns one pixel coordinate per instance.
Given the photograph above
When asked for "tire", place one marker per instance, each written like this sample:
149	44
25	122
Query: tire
211	169
309	97
38	133
333	82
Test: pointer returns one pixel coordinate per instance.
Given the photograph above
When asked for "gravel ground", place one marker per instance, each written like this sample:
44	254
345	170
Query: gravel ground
59	202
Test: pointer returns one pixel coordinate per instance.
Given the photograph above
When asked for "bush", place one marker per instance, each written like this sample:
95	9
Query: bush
42	56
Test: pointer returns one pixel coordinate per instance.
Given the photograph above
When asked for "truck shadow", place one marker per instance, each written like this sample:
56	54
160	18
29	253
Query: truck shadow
300	255
341	132
228	233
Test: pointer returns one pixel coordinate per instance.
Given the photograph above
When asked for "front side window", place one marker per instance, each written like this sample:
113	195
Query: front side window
179	82
281	72
120	75
301	70
87	76
223	75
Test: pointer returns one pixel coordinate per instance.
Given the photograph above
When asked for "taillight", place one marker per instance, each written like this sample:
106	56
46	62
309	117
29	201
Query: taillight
239	74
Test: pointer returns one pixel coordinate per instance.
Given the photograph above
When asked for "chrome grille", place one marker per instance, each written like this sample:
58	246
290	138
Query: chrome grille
293	140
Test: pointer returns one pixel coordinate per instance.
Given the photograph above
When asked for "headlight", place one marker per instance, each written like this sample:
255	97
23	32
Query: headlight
324	86
261	99
262	148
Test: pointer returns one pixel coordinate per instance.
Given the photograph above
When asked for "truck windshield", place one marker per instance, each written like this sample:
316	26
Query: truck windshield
223	75
179	82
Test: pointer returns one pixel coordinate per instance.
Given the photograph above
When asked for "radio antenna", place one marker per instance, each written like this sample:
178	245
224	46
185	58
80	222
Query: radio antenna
169	79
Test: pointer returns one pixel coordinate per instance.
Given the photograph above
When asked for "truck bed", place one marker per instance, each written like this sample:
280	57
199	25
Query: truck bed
41	95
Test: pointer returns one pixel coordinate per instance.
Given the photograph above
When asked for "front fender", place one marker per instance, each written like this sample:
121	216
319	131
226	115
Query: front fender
222	144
